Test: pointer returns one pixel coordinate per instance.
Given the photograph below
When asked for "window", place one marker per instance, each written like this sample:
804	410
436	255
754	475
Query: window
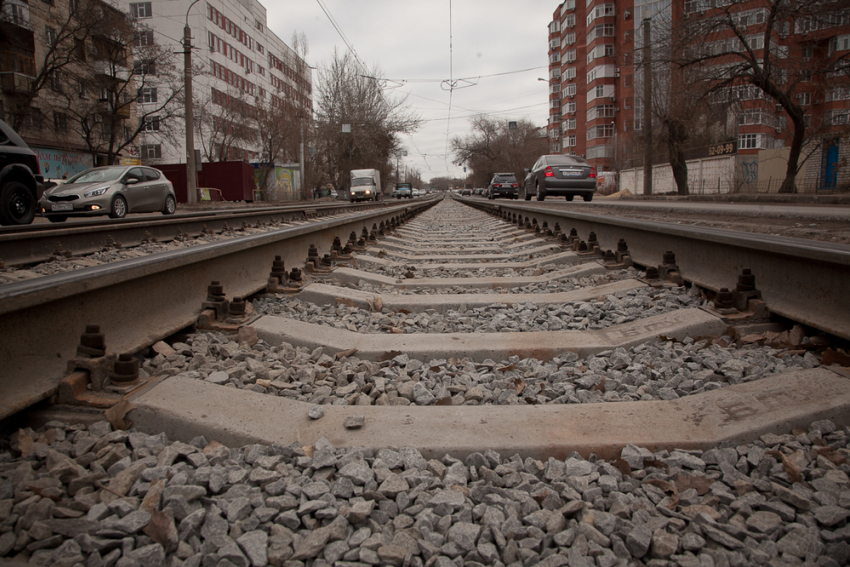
805	99
839	43
570	124
143	38
141	10
49	2
32	120
151	124
72	6
151	151
50	34
146	94
569	56
836	94
554	27
569	21
569	90
144	68
83	90
570	107
601	111
602	30
600	11
60	122
601	131
838	117
570	38
570	73
570	141
555	57
606	50
554	42
54	80
751	141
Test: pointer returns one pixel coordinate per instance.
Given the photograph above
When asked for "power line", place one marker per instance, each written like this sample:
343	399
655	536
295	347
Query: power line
400	82
341	34
451	87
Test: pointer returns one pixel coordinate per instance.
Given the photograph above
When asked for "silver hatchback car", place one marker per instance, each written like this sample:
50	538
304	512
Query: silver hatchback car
113	190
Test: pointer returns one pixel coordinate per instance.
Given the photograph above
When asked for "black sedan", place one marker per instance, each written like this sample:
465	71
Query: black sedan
560	175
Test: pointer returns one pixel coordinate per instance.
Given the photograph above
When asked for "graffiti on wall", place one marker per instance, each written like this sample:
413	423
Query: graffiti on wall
750	170
56	164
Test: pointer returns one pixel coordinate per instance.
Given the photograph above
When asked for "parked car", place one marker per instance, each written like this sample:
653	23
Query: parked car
560	175
20	178
503	185
113	190
465	192
403	190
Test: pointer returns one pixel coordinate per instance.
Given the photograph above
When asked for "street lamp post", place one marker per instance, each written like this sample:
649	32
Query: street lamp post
191	173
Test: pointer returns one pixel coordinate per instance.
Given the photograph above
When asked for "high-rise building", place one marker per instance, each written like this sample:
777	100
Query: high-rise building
596	76
246	68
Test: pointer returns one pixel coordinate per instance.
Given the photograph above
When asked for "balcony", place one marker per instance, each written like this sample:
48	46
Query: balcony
15	83
108	69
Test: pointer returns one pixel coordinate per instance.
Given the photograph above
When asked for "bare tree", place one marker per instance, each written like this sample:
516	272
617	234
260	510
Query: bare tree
732	49
349	94
226	124
129	86
494	147
68	27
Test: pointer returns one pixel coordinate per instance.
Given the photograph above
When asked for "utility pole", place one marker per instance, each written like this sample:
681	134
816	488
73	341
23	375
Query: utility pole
647	108
191	173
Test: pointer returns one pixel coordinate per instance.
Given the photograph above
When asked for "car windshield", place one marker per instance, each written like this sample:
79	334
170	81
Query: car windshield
564	160
97	175
506	179
359	181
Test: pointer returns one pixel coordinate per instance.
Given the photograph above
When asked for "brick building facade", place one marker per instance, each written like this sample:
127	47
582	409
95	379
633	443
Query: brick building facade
596	87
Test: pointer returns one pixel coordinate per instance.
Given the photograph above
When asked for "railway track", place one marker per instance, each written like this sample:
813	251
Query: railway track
463	390
21	246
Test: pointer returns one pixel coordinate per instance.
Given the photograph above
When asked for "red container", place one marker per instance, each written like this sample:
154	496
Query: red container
235	179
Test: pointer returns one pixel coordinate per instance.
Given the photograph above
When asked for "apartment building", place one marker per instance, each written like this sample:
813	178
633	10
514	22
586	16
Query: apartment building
596	99
65	81
246	67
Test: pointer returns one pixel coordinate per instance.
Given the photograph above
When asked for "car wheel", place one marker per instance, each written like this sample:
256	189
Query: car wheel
588	198
57	218
170	205
569	197
541	194
527	195
118	209
17	204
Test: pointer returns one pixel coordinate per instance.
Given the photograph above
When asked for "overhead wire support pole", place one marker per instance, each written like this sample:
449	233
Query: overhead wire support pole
647	108
191	166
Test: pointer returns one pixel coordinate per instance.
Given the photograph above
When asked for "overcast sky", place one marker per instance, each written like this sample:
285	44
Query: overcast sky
409	41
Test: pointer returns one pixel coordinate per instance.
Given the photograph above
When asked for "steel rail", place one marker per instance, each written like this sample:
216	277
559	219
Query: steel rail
37	243
140	301
802	280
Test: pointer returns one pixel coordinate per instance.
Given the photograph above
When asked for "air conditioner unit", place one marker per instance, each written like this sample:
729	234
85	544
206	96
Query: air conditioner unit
617	109
778	130
617	72
572	96
626	15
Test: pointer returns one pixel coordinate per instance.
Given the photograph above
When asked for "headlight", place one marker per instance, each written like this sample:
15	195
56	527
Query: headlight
367	191
96	192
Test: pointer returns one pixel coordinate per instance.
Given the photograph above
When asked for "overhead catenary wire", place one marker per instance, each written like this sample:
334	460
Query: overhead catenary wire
451	88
